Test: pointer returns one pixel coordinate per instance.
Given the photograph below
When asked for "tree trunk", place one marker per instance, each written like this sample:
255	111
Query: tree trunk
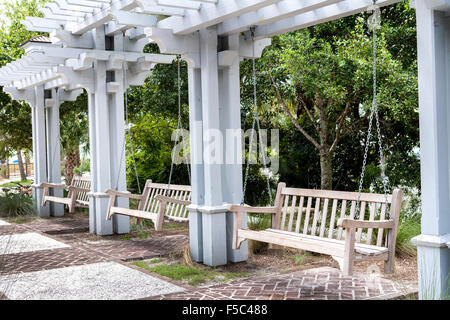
27	163
326	171
72	158
23	176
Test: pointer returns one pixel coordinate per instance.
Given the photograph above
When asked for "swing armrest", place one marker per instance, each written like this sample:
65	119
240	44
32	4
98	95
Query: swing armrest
351	224
248	209
172	200
78	189
124	194
52	185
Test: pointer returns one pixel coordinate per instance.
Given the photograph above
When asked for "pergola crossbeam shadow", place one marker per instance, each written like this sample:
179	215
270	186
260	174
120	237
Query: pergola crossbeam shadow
79	57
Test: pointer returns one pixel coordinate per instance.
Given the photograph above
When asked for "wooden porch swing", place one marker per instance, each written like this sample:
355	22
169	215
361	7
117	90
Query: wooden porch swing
157	201
364	231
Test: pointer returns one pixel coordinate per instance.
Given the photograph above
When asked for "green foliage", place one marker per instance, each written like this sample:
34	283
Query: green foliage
15	116
409	224
409	227
85	166
331	64
151	137
3	172
13	185
301	258
13	205
74	127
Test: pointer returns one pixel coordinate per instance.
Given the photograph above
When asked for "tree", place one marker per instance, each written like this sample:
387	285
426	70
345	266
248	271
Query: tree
15	117
323	83
74	133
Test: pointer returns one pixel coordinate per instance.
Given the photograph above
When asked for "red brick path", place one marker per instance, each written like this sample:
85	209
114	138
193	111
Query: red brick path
315	284
318	284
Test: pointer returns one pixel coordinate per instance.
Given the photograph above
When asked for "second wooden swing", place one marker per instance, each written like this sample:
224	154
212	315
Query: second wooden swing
301	218
157	201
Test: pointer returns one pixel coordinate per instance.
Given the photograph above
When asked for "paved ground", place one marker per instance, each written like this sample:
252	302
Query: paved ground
62	250
315	284
98	281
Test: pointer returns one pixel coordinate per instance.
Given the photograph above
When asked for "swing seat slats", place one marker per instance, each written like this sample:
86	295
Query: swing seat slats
77	193
157	202
325	222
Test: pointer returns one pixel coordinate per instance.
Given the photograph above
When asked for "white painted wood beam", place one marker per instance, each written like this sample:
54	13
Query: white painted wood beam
311	18
116	10
134	19
212	14
281	10
41	24
152	7
183	4
102	55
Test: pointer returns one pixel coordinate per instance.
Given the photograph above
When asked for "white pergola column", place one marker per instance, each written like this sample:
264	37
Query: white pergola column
105	122
39	150
54	150
230	115
117	138
433	39
197	177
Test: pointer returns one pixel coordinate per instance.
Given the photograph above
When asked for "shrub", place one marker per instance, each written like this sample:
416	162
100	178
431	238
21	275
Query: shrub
16	205
409	224
258	222
3	172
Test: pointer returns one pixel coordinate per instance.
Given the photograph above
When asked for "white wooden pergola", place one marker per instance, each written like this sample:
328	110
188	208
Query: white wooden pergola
94	41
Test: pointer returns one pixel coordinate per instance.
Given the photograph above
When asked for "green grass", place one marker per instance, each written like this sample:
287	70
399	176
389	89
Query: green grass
14	205
12	185
194	276
409	227
156	260
143	235
300	259
125	237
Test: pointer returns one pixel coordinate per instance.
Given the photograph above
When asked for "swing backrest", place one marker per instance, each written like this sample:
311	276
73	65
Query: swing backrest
83	183
316	213
173	211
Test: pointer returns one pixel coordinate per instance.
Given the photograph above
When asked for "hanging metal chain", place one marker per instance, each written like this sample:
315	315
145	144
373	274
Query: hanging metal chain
127	124
255	121
179	128
374	24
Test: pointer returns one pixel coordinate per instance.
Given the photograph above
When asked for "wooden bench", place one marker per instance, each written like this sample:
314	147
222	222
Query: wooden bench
327	226
155	203
77	196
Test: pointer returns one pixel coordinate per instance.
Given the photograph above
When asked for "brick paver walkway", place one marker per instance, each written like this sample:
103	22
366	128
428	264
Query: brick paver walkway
61	226
141	249
321	283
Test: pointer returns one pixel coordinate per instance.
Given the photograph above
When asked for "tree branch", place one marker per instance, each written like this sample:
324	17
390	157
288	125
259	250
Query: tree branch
340	126
294	121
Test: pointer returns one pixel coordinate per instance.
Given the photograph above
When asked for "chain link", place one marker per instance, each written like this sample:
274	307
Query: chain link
255	121
374	111
127	123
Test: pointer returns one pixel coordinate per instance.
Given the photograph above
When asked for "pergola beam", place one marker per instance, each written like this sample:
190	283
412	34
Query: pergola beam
281	10
332	12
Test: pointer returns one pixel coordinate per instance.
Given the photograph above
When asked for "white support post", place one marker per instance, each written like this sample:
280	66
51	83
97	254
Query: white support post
54	150
213	211
230	114
433	39
121	223
39	150
99	124
106	137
